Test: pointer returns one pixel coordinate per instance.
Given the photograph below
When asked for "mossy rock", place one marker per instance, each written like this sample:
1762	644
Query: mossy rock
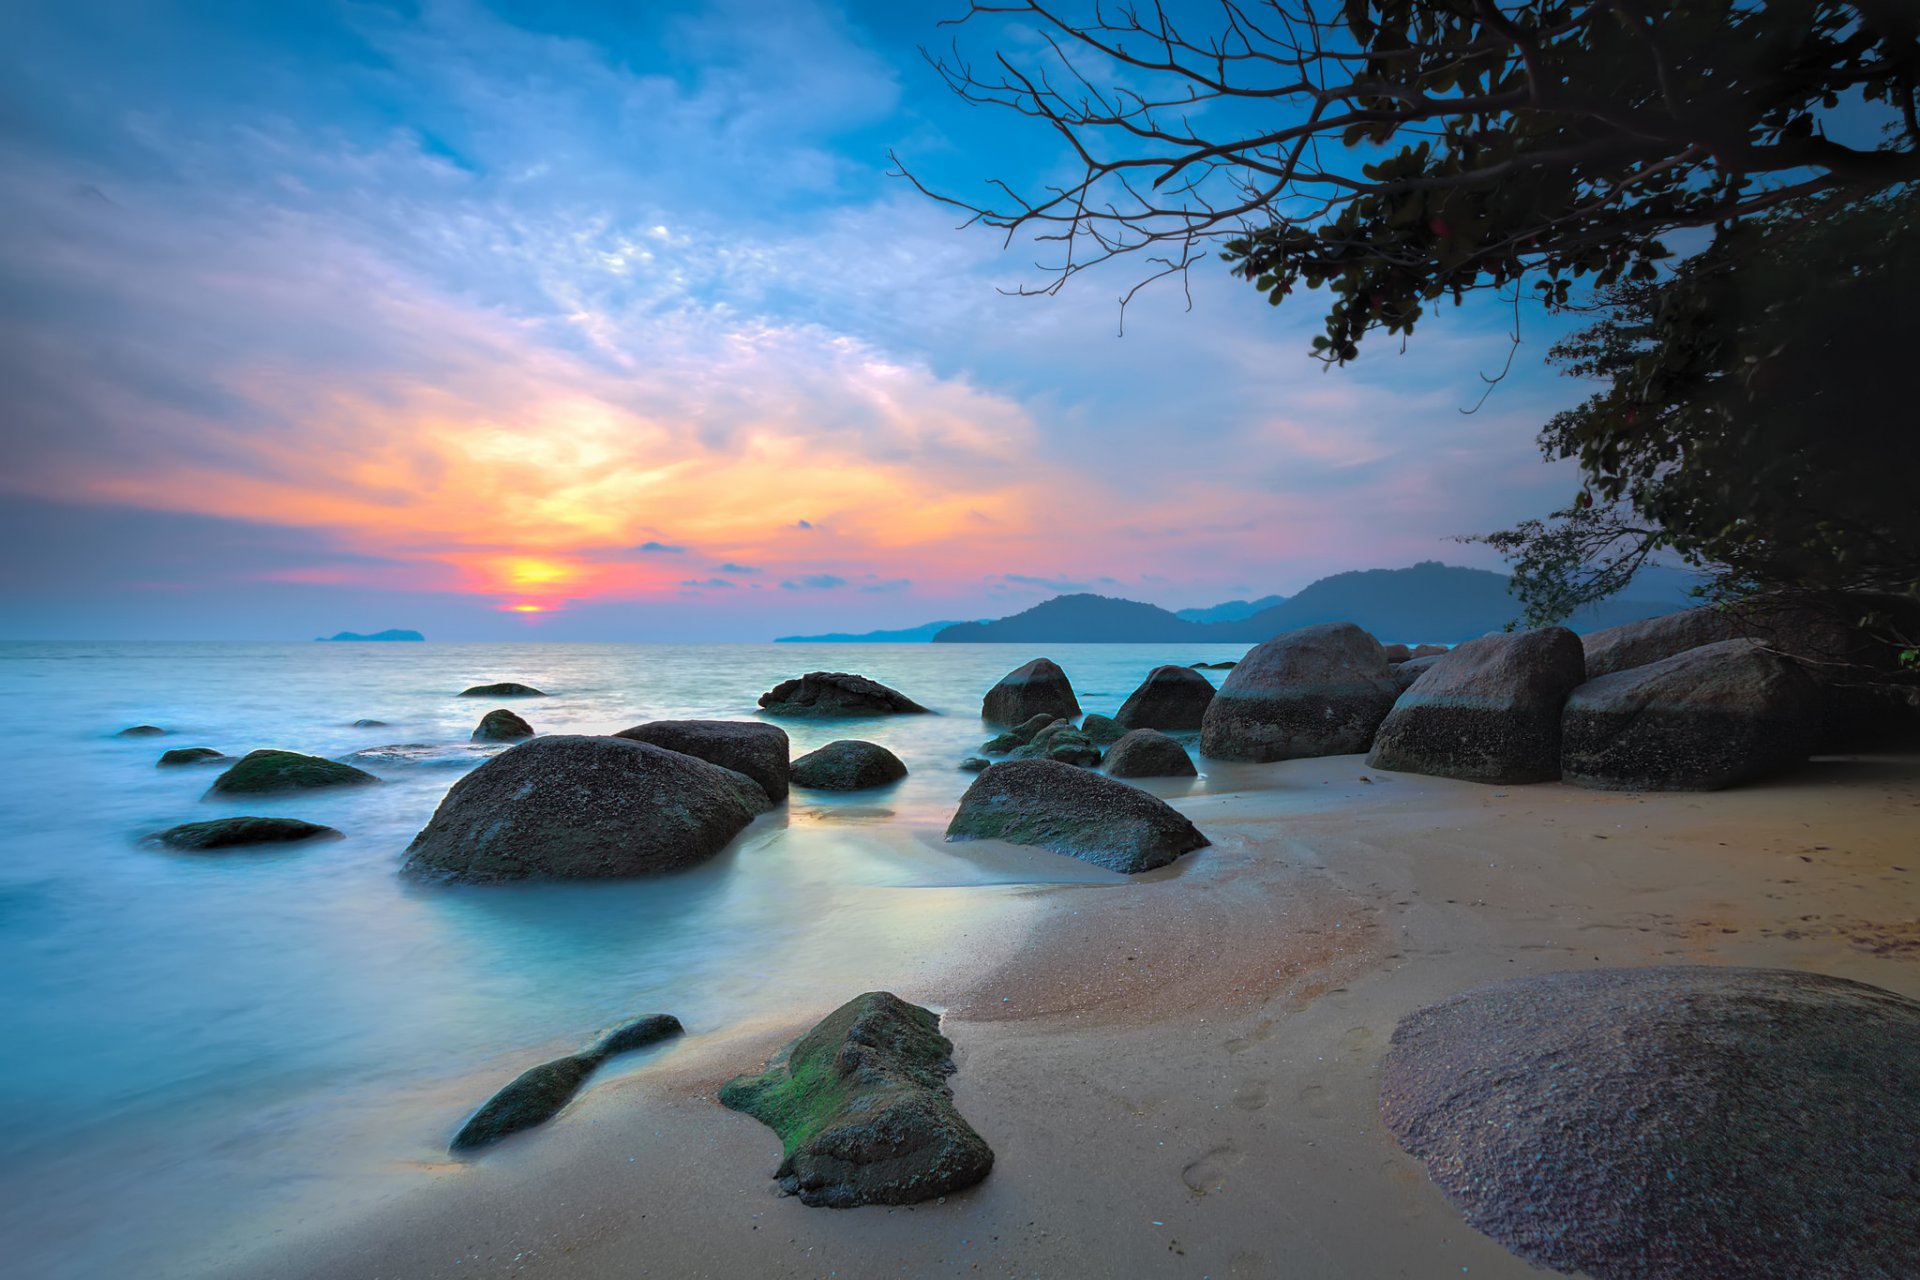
848	765
233	833
1063	742
1102	731
1002	744
262	772
501	726
505	689
863	1111
187	755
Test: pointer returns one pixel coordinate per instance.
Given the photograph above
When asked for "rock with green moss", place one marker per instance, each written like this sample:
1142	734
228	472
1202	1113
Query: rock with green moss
501	726
863	1111
235	833
1063	742
1102	731
537	1094
187	755
264	772
504	689
1070	811
848	765
1002	744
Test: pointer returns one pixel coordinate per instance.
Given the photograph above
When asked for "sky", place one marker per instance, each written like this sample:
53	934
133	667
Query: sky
607	322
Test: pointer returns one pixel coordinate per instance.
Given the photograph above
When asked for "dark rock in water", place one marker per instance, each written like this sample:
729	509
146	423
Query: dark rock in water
1396	652
1318	691
1032	725
1405	673
232	833
501	726
1070	811
1002	744
1018	736
1675	1122
863	1111
262	772
744	746
1704	719
1173	698
975	764
537	1094
569	807
141	731
836	693
638	1034
1040	688
505	689
369	724
1102	731
1487	712
848	765
188	755
1148	753
1060	741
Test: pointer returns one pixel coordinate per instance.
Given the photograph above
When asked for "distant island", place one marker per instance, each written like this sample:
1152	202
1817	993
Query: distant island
394	634
1231	611
909	635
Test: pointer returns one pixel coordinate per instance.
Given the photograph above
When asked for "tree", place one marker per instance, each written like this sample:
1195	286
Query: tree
1403	151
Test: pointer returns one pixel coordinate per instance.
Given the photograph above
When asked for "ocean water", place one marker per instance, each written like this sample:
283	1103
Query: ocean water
193	1041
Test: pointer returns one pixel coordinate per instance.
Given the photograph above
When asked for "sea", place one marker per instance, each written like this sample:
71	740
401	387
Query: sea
194	1045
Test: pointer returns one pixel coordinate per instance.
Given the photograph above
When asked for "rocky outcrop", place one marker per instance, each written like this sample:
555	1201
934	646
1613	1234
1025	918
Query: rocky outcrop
1174	698
537	1094
1148	753
744	746
1040	688
1060	741
569	807
1685	1121
235	833
863	1111
1070	811
505	689
1487	712
1319	691
848	765
501	726
1102	731
836	693
188	755
265	772
1703	719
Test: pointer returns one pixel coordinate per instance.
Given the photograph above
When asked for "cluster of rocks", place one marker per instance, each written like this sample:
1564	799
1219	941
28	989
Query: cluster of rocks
1170	698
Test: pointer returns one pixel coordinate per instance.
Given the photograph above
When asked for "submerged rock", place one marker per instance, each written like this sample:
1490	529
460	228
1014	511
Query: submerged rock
571	807
1679	1122
1169	698
1002	744
1039	688
501	726
537	1094
1487	712
1070	811
975	764
1102	731
637	1034
836	693
1318	691
188	755
234	833
1032	725
848	765
448	754
505	689
369	724
263	772
745	746
142	731
863	1111
1149	753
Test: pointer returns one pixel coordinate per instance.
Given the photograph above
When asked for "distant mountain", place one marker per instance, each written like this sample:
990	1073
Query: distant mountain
1078	619
911	635
395	634
1231	611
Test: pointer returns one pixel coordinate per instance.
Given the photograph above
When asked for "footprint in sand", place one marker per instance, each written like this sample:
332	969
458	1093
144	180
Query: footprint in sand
1314	1100
1262	1031
1251	1095
1355	1039
1209	1172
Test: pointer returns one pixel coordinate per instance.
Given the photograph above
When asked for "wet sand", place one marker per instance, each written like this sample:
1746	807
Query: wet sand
1178	1074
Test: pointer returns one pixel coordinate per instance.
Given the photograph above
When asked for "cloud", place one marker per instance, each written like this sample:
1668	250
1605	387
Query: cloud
660	548
803	524
1058	584
708	582
814	582
886	585
731	567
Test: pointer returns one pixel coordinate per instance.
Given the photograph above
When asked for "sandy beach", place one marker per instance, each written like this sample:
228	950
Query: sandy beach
1178	1073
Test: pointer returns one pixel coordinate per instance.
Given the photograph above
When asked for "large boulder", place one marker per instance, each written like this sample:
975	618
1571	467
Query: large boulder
235	833
744	746
836	693
1148	753
537	1094
1318	691
1487	712
1169	698
501	726
1635	644
1676	1122
1040	688
1703	719
267	771
571	807
1405	673
1070	811
863	1111
848	765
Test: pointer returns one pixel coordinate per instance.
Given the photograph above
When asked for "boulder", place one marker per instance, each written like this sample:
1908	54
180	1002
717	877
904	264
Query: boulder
1001	744
263	772
1487	712
1405	673
1703	719
1032	725
975	764
369	724
1063	742
1318	691
1148	753
744	746
505	689
1102	731
836	693
1396	652
848	765
1070	811
1635	644
863	1111
1040	688
1169	698
141	731
1427	651
1682	1121
501	726
233	833
572	807
188	755
537	1094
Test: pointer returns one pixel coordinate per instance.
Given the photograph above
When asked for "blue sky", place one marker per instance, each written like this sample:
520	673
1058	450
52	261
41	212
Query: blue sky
587	322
